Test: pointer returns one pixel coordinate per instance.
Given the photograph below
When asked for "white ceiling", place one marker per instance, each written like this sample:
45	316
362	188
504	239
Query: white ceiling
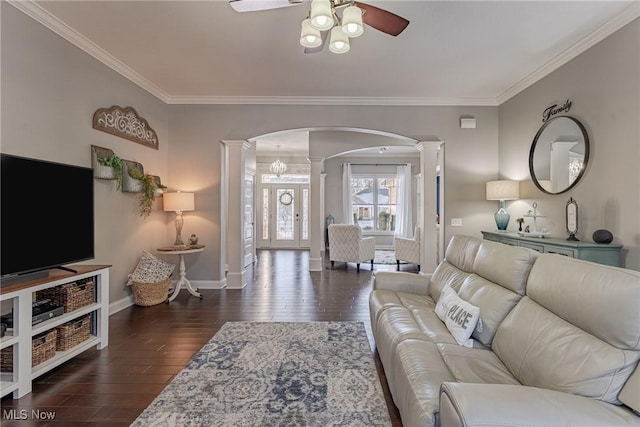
452	52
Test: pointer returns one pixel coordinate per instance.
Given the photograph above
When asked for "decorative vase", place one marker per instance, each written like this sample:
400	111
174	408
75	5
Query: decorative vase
502	217
602	236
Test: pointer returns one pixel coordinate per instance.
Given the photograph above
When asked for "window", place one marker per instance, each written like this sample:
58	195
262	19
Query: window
374	199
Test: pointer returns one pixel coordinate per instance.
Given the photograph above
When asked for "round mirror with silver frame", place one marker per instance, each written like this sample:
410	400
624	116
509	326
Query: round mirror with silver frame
559	155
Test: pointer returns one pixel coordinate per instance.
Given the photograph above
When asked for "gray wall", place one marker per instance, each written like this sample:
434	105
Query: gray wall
604	86
50	90
471	154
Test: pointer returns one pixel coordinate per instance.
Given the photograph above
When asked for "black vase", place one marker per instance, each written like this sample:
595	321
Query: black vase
602	236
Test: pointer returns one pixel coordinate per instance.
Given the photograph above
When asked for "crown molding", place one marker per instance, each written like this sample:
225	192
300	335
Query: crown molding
331	100
629	14
36	12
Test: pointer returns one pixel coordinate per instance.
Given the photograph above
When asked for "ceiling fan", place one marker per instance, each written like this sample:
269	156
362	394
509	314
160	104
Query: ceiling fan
324	22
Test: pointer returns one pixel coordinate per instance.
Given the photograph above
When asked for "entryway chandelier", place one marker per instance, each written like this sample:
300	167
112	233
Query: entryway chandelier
323	17
278	167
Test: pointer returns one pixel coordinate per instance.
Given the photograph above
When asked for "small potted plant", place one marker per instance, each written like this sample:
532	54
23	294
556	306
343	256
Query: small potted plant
150	187
111	167
520	221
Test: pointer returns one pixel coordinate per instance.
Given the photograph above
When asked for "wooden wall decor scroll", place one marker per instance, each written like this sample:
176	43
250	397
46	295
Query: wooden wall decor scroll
125	123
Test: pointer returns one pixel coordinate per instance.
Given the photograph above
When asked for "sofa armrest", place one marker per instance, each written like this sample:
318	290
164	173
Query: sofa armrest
466	404
401	281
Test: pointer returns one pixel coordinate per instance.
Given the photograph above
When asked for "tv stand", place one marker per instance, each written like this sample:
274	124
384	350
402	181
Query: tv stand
20	295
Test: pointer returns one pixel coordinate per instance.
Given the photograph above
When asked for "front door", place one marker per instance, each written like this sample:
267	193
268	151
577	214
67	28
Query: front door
285	216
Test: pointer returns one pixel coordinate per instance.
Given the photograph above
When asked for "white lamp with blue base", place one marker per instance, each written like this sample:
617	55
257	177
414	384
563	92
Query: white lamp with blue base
502	190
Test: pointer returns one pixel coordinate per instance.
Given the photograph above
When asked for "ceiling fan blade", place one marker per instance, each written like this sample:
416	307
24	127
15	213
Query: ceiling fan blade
382	20
255	5
324	35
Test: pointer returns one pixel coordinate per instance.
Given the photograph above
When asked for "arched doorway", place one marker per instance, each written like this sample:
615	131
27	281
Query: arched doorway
324	143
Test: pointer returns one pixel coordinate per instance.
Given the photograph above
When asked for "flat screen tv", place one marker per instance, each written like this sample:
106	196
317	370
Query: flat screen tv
46	215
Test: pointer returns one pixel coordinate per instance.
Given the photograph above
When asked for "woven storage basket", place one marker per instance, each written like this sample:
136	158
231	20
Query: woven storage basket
71	296
146	294
43	348
72	333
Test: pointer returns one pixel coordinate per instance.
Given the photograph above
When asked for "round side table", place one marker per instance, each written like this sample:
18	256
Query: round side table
182	251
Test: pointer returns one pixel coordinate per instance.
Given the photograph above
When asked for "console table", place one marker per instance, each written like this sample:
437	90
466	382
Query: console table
601	253
182	251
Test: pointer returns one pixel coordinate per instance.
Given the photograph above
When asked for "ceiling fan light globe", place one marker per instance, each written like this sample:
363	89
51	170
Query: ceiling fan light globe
352	21
309	36
339	42
321	15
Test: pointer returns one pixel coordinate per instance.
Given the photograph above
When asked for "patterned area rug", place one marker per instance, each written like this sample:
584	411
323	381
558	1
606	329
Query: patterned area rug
276	374
385	256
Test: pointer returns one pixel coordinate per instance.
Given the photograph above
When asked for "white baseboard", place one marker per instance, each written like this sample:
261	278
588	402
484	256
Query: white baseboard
120	305
127	301
208	284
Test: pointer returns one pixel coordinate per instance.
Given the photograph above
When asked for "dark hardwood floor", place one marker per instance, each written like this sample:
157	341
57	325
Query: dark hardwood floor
148	346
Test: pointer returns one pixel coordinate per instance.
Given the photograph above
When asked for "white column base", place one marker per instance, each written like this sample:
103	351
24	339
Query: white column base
315	264
236	280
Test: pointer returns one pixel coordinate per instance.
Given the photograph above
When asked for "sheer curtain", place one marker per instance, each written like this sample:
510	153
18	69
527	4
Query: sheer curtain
404	215
347	201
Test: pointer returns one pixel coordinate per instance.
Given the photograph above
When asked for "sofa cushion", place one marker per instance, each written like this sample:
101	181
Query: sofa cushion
579	318
630	393
508	266
543	350
457	265
495	303
446	274
433	328
473	365
601	300
395	324
461	252
417	374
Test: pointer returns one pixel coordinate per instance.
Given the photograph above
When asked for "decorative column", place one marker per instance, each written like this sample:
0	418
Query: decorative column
316	221
431	236
323	213
234	245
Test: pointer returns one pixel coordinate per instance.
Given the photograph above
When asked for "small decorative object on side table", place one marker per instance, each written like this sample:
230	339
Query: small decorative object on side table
535	233
602	236
182	251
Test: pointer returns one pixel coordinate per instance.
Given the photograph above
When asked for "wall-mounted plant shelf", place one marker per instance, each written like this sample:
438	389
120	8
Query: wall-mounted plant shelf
159	187
129	183
101	171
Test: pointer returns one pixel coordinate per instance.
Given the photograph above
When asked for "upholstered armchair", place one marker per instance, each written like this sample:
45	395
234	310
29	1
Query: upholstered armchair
408	249
346	244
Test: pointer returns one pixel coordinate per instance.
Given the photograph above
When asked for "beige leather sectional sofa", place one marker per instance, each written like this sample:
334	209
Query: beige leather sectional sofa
559	342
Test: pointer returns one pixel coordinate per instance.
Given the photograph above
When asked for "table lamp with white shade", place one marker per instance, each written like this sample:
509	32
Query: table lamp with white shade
178	202
502	190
